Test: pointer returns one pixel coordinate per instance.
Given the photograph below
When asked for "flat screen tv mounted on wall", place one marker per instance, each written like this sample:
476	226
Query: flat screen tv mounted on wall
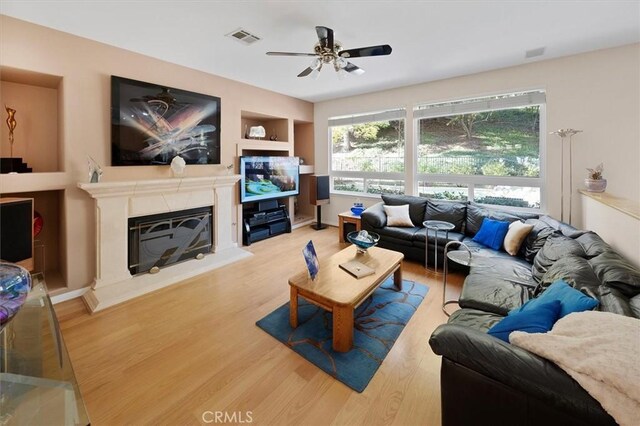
151	124
265	178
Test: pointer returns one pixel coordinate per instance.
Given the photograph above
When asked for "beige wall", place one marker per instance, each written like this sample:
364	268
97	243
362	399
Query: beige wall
84	126
620	230
597	92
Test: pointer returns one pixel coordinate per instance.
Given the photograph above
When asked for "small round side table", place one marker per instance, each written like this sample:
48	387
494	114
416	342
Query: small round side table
436	226
462	256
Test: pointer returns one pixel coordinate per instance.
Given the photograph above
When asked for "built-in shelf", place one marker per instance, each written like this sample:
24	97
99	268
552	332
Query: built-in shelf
49	248
31	182
302	218
274	126
295	138
36	97
626	206
306	169
261	145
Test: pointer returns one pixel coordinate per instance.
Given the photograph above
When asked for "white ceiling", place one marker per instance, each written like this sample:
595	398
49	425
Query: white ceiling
431	40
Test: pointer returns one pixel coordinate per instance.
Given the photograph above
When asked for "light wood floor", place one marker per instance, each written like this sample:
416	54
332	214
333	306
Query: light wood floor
169	356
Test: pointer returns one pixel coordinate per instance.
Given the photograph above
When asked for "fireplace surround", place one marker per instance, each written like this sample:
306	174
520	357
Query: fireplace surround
160	240
117	202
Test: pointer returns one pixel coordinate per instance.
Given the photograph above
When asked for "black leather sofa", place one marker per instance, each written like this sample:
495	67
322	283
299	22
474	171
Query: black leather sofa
485	381
466	217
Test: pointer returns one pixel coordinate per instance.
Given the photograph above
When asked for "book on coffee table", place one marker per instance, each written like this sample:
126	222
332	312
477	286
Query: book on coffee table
357	269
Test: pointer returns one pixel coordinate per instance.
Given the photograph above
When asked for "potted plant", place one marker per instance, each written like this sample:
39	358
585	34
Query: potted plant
595	182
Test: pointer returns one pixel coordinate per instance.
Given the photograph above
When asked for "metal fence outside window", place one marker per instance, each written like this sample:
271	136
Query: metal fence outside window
459	164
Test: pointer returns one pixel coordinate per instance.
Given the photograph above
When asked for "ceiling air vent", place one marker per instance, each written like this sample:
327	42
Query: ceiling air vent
534	52
243	36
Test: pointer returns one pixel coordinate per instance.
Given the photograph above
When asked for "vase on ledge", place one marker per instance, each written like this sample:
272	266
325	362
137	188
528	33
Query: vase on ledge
595	185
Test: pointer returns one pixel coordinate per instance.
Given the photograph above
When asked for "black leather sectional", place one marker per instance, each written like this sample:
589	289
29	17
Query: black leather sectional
467	218
485	381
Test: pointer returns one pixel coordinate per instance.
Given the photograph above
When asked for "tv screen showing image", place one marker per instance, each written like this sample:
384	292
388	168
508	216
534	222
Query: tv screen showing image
151	124
265	178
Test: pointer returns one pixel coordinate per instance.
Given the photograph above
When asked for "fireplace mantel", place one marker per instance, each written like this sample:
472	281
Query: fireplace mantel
156	186
117	201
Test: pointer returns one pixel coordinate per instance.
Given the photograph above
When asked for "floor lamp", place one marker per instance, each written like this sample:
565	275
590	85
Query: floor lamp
564	133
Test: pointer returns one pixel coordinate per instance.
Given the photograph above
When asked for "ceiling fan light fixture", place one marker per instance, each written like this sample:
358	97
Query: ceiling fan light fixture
316	72
329	51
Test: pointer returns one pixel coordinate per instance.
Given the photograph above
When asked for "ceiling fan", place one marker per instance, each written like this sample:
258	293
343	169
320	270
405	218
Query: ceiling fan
329	51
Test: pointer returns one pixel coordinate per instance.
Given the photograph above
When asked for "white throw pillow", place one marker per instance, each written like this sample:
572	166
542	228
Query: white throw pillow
398	215
518	231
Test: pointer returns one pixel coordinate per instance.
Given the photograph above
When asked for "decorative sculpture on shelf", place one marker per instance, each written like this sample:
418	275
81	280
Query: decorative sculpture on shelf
95	171
178	165
257	132
11	123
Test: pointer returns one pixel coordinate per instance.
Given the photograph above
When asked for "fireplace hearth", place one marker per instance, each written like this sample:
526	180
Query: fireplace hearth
163	239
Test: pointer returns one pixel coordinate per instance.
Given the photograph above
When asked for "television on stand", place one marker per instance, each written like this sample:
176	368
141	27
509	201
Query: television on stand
268	178
264	180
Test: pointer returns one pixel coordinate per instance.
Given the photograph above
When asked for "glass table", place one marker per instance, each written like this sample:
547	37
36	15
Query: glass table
37	383
463	255
436	226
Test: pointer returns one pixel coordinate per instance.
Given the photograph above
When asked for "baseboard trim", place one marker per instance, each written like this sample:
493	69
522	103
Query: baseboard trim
59	298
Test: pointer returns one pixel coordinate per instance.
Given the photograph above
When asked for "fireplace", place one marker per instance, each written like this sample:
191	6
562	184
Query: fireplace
163	239
119	201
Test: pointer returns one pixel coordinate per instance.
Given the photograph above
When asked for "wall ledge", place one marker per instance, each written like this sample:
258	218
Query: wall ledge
626	206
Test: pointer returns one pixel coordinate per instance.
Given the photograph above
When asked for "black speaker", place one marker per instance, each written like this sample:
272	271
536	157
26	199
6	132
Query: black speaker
319	195
16	231
319	189
267	205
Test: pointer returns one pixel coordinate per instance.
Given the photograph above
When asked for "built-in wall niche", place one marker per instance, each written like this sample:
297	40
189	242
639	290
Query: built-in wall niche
37	99
49	245
275	127
304	211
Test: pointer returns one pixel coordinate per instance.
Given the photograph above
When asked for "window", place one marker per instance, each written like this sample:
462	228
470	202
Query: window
367	153
486	150
490	147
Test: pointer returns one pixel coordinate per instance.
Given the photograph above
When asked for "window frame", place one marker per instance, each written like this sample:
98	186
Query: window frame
472	180
411	177
386	115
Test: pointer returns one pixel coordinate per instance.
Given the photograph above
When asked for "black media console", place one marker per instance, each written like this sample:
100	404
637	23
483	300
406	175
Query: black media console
268	220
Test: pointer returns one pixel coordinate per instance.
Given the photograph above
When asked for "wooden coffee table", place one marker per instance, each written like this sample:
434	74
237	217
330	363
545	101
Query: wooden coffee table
339	292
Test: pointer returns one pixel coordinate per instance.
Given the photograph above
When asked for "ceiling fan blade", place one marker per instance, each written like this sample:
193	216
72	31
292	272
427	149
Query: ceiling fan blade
325	35
306	72
289	54
381	50
353	69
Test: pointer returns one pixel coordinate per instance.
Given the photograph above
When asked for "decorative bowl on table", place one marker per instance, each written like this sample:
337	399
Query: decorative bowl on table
15	283
357	209
363	240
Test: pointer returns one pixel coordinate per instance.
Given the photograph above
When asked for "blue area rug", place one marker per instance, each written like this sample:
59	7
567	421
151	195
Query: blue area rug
379	320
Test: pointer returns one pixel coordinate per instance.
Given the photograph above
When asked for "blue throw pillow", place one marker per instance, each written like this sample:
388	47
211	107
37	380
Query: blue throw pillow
492	233
572	300
540	319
